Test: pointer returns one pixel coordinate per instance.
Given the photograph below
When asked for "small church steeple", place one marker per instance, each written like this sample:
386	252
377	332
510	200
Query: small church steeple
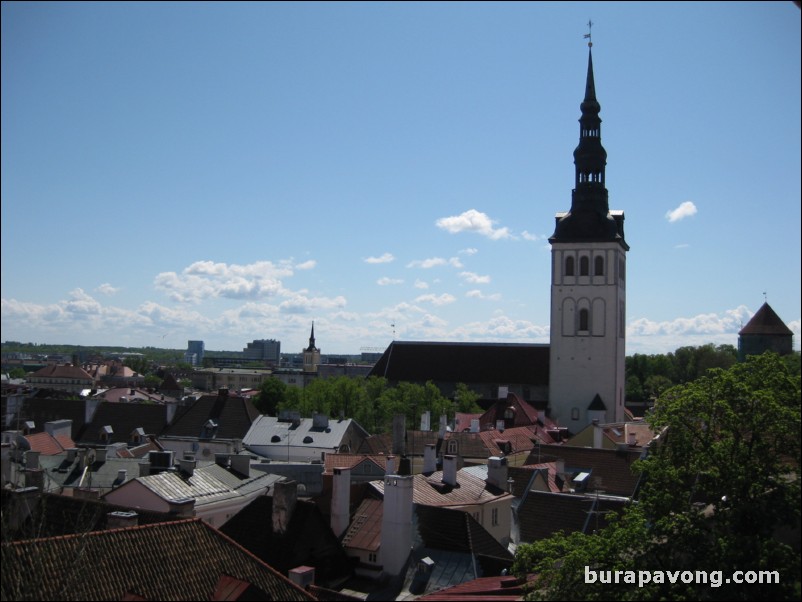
311	354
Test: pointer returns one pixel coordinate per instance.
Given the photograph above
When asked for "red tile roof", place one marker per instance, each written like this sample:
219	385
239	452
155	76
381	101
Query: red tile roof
365	530
47	445
150	561
500	588
333	461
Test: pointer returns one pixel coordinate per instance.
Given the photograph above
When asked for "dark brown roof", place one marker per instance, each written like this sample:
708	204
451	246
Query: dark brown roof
53	515
181	560
611	470
41	410
457	531
123	418
62	371
308	540
232	414
501	589
765	321
508	363
541	514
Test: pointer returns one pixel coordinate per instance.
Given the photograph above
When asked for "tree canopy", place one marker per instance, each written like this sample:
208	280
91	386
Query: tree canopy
721	493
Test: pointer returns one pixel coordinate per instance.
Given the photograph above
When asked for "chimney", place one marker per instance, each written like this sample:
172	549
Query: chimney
559	463
31	460
474	425
341	500
183	508
450	470
598	434
302	576
396	533
121	520
390	468
320	421
497	472
541	417
170	409
34	477
285	496
500	426
100	454
503	391
222	392
122	475
59	428
399	434
22	504
241	463
632	438
429	458
72	454
222	459
187	466
425	421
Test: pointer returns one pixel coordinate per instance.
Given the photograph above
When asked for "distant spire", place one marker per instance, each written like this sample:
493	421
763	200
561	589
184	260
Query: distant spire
588	35
312	339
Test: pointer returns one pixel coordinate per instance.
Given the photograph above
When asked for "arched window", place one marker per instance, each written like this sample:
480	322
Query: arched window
584	266
598	266
583	319
453	447
569	265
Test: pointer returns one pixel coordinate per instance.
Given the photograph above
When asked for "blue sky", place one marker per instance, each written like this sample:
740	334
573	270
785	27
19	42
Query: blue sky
234	171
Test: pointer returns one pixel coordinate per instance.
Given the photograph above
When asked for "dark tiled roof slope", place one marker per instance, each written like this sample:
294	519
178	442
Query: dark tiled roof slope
541	514
308	540
454	530
54	515
123	419
181	560
766	321
41	410
464	362
233	416
610	469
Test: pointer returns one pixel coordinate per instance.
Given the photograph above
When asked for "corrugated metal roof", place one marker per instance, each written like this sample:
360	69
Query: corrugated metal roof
206	485
431	491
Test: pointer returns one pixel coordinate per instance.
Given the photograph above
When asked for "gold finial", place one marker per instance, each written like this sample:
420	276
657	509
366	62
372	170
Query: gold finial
587	35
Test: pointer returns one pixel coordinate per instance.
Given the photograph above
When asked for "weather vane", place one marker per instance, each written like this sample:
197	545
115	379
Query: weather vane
587	35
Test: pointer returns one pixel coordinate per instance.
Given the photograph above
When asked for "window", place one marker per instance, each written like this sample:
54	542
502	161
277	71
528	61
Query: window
569	266
584	266
494	517
372	557
583	319
452	447
598	266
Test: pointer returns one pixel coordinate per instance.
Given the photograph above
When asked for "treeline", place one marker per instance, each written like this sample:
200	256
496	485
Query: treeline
372	402
649	375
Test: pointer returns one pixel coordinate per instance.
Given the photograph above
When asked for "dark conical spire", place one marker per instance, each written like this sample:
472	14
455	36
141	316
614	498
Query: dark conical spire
589	218
312	339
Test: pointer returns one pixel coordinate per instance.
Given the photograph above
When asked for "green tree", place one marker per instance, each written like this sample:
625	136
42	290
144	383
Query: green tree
720	485
467	399
272	393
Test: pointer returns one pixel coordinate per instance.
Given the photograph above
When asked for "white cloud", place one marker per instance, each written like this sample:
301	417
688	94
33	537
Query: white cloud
388	281
477	294
443	299
434	262
421	284
301	304
474	278
468	251
386	258
528	236
682	246
206	279
107	289
473	221
306	265
686	209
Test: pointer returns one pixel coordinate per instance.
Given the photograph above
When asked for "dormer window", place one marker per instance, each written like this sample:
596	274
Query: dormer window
209	429
105	433
453	447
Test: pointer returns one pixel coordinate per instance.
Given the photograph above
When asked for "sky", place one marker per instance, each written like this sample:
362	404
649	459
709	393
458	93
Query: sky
389	171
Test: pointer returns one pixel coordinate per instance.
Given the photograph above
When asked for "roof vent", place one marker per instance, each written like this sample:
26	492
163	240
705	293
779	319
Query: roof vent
308	439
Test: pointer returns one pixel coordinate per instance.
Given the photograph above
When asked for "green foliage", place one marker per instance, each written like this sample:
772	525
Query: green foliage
272	393
722	488
467	399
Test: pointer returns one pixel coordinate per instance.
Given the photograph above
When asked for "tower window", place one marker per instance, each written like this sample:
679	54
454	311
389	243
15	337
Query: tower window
598	266
583	319
584	266
569	266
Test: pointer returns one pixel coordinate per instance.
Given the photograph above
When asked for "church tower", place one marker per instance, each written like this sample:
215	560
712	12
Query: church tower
311	354
588	288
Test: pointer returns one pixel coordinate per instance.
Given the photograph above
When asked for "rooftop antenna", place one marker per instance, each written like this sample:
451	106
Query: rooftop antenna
765	297
588	35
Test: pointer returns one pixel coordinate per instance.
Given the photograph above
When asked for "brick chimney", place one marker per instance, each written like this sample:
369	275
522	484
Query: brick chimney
340	500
